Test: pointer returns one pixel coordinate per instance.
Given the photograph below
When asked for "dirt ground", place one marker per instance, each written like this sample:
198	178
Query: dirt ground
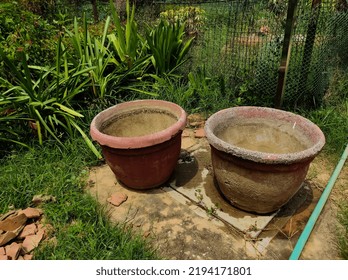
182	220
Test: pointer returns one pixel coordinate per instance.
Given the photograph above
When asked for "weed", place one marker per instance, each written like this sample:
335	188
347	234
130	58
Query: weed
199	195
212	210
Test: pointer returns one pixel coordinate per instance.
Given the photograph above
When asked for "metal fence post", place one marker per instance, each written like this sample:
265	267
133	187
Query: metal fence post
309	44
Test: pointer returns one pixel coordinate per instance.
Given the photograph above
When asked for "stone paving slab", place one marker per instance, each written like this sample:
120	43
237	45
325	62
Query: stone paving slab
203	190
178	228
187	218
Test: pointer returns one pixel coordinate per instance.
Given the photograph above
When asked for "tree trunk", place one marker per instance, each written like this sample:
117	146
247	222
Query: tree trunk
95	11
121	7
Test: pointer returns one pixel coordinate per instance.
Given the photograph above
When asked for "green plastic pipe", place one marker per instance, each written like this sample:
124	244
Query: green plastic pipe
320	205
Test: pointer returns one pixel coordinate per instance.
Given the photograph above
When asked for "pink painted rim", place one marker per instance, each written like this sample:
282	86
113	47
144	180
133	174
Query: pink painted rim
141	141
311	130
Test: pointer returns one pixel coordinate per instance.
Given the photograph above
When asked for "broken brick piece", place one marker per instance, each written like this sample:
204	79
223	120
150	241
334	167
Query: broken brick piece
31	212
4	257
32	241
30	229
7	237
13	250
13	222
8	214
117	199
2	251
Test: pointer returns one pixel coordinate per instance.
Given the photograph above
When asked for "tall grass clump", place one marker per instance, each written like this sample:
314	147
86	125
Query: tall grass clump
332	116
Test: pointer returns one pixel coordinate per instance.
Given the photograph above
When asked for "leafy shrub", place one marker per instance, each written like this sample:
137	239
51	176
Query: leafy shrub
193	17
167	46
127	41
45	102
21	30
115	57
92	53
43	8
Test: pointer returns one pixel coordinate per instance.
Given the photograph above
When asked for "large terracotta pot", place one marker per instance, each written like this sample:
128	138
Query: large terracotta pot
140	140
261	156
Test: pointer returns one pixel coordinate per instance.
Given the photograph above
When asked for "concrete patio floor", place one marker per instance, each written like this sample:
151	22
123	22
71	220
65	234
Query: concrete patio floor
187	218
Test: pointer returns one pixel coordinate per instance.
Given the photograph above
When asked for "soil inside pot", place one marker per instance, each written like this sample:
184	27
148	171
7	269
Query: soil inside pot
265	136
139	123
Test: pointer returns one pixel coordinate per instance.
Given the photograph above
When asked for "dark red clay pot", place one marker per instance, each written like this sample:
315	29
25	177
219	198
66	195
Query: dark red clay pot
141	160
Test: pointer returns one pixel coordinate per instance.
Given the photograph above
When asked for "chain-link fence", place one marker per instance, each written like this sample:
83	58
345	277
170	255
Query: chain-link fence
242	41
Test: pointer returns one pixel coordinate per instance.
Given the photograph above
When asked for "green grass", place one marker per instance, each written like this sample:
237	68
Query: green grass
343	233
332	116
82	228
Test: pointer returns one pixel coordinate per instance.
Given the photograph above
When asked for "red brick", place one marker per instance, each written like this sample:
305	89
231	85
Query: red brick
2	251
4	258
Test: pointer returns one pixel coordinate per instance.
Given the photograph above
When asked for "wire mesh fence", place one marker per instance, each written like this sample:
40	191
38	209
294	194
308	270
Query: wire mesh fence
242	41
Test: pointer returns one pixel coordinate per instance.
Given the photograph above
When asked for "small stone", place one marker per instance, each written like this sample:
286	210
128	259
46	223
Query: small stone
32	241
30	229
2	251
13	222
117	199
13	250
28	257
200	133
41	198
4	257
146	234
31	213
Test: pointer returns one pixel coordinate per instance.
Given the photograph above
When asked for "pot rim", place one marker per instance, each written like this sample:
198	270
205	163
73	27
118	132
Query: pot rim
308	154
138	141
